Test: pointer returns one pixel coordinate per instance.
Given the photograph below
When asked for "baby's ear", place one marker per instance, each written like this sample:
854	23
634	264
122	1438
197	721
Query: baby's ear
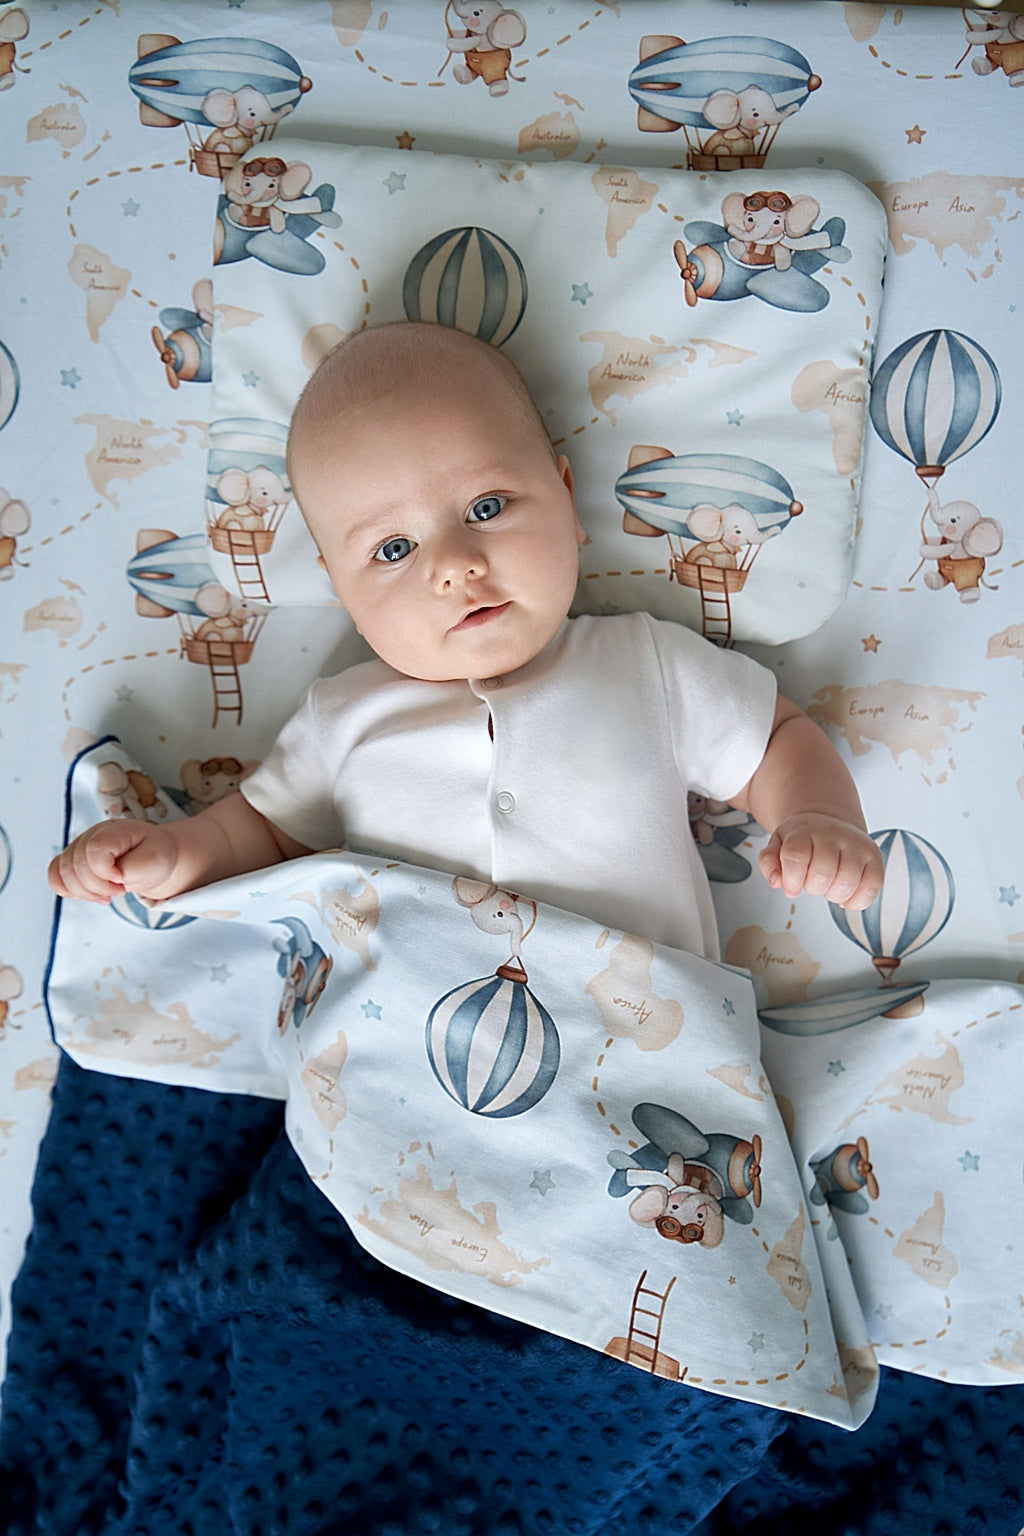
565	470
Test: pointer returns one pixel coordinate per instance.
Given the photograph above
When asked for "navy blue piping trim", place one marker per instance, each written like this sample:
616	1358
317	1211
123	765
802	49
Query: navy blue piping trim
59	902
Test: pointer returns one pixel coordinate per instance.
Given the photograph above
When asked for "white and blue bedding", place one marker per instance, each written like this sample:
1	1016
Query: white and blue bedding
138	309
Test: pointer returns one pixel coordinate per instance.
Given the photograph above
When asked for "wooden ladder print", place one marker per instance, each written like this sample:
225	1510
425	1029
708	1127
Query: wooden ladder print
245	558
715	607
644	1340
227	685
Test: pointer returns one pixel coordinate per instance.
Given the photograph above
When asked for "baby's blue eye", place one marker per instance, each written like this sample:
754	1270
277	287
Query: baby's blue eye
486	508
394	550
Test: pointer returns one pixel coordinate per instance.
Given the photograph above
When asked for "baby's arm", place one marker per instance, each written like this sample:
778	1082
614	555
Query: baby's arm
228	838
803	796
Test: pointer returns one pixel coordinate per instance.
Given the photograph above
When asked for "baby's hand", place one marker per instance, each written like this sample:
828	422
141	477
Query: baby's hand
113	857
825	857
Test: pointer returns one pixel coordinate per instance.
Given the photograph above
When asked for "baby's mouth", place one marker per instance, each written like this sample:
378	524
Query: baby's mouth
481	615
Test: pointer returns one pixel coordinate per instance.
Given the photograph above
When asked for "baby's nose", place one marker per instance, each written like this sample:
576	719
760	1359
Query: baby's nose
459	560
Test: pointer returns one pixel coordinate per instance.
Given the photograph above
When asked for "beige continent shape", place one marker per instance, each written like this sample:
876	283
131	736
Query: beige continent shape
724	354
628	197
735	1075
787	1268
1012	1362
863	18
631	365
123	450
61	121
133	1030
60	614
905	717
924	1085
318	341
946	210
320	1079
626	1000
860	1371
554	133
841	396
351	913
921	1246
1008	645
231	316
104	284
778	962
349	18
39	1074
432	1223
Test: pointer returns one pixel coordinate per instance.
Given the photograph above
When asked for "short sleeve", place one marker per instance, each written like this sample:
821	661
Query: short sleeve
721	706
293	787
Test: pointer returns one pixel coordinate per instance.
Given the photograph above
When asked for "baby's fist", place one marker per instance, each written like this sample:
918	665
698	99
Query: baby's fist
824	857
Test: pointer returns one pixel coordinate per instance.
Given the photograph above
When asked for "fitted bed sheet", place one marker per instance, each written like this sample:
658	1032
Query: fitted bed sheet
105	237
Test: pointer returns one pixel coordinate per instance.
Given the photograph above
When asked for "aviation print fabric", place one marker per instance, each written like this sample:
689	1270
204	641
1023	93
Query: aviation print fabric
157	317
755	545
583	1130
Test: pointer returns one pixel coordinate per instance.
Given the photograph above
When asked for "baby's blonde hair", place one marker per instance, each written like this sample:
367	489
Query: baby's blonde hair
373	361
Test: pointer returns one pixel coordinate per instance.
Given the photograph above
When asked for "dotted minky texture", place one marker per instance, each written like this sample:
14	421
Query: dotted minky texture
199	1347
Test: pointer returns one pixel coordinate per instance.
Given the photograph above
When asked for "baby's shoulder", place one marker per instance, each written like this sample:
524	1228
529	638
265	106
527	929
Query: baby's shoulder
362	681
626	633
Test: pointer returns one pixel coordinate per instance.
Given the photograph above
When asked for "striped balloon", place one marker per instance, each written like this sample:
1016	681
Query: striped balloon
664	491
176	80
246	443
469	279
131	910
172	572
675	83
10	385
493	1047
915	904
935	397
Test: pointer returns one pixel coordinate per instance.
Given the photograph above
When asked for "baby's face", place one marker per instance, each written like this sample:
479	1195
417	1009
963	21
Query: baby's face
446	525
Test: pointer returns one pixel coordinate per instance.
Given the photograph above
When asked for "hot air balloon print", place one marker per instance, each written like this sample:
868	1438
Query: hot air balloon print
10	385
131	910
492	1046
172	578
934	398
717	510
914	906
728	94
470	279
228	93
247	495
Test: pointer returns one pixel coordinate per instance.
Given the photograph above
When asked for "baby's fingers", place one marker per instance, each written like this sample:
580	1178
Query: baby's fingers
859	882
785	862
74	873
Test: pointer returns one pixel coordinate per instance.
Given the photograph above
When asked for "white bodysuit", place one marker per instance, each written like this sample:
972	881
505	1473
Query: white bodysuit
580	799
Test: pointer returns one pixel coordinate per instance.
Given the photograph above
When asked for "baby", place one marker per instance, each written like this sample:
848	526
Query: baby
495	737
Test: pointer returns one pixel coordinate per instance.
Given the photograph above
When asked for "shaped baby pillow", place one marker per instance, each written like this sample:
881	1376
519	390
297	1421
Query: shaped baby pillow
698	344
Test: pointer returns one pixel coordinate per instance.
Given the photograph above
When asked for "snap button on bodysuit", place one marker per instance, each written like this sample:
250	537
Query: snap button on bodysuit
505	802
